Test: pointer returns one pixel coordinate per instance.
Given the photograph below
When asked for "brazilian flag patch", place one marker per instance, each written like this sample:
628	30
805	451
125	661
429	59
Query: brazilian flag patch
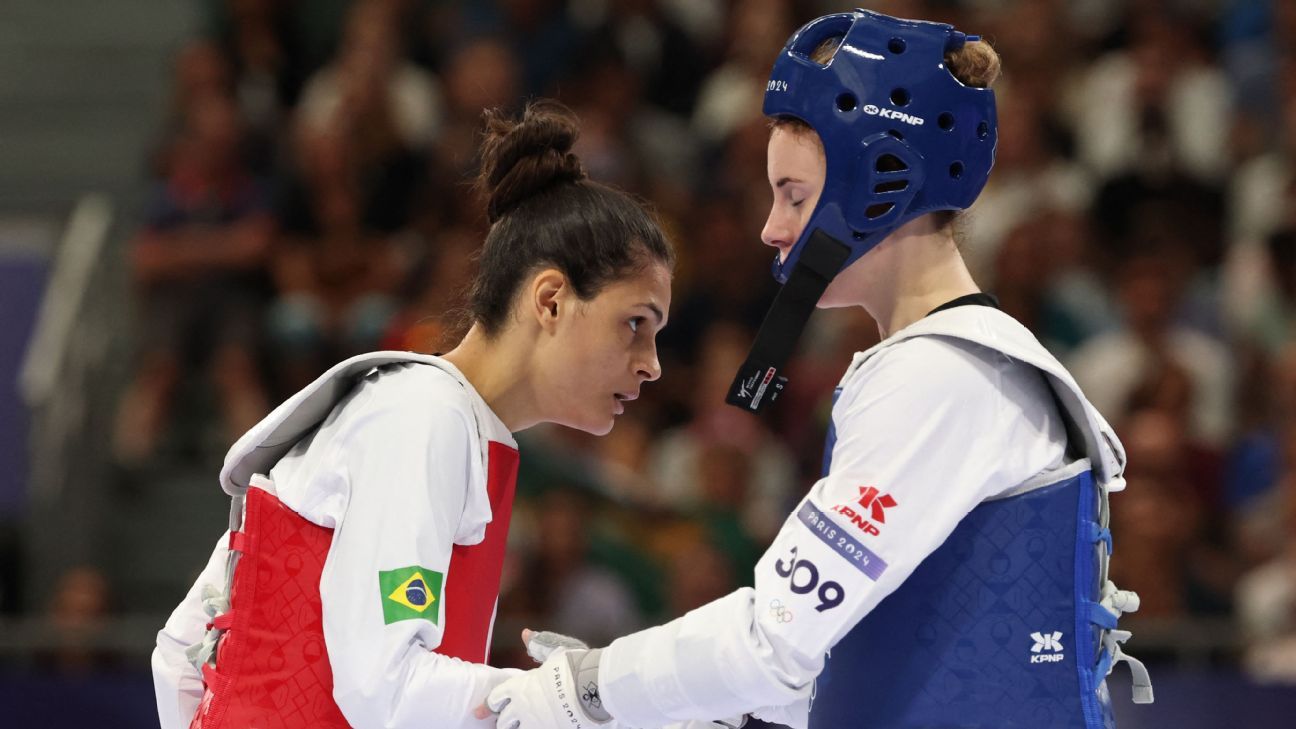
410	593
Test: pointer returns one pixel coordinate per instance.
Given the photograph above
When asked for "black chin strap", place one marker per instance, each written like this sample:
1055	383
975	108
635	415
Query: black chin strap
758	382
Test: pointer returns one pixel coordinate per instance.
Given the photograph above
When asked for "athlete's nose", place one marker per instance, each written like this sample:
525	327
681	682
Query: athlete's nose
778	232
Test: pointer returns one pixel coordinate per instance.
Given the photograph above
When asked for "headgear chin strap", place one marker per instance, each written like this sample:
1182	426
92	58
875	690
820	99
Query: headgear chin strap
759	381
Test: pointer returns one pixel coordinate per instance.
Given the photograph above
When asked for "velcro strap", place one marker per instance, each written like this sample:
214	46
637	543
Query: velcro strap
1100	616
215	682
1104	664
223	621
238	542
1098	534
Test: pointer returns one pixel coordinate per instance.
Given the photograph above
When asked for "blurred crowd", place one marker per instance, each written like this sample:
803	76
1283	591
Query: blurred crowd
311	200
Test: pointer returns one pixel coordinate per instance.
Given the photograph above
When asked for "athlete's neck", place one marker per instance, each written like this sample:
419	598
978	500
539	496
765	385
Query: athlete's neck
498	369
916	269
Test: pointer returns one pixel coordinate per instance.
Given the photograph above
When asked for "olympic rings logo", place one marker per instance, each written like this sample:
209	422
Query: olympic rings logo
779	611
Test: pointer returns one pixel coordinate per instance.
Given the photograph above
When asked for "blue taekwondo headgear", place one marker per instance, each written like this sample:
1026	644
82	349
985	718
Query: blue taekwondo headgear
902	138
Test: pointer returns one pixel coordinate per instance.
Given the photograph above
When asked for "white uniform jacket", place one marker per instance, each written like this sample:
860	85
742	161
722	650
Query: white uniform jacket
397	468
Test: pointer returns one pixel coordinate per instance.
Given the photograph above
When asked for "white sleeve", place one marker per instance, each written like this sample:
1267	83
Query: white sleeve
408	467
176	683
929	435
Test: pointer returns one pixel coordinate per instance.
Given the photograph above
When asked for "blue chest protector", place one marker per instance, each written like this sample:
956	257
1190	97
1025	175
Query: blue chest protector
1001	626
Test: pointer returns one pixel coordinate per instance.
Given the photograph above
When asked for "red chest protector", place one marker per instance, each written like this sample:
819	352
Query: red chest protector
272	668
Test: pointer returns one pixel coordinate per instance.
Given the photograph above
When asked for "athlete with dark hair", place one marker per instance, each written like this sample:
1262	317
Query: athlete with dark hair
358	582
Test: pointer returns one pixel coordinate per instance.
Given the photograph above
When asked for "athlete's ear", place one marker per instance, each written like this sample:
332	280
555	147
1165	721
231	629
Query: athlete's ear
548	292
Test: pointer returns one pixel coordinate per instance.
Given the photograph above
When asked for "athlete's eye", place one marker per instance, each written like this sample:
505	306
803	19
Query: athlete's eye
635	322
797	203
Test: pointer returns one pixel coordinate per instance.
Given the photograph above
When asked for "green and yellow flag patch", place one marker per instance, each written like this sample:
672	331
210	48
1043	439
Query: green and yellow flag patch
410	593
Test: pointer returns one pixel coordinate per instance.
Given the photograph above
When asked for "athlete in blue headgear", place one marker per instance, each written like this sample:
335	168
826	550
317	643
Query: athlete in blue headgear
950	568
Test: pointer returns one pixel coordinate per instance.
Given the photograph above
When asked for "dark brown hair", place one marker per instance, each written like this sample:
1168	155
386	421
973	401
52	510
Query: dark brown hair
544	211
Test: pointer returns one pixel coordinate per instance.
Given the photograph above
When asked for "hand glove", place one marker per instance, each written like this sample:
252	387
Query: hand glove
561	694
541	645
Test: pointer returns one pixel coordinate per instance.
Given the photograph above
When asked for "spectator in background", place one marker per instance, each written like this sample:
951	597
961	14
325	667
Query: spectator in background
609	102
1157	103
718	277
683	460
732	93
198	266
1266	596
201	69
1154	527
1257	188
540	33
1263	457
483	73
1029	177
372	86
77	613
256	37
438	291
1260	282
560	585
1110	366
1044	44
699	573
656	49
1044	277
638	144
1259	191
337	277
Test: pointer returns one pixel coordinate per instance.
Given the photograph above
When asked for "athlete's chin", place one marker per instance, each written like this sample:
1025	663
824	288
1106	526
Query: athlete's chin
594	424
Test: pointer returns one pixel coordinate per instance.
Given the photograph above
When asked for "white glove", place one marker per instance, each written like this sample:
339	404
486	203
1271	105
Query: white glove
561	694
545	643
526	701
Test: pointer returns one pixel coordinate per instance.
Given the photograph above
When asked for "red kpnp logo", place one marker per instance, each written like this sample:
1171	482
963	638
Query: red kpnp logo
877	503
871	504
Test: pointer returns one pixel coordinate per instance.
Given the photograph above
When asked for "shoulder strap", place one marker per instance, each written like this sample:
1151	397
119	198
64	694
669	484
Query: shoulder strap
262	446
998	331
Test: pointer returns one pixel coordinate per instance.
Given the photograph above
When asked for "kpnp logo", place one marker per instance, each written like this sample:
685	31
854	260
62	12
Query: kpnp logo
871	504
1050	642
872	110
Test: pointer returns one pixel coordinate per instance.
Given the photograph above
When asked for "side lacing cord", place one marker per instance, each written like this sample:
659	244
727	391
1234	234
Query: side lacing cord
216	602
1113	603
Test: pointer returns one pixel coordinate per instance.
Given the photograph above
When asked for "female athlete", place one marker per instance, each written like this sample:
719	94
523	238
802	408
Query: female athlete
358	582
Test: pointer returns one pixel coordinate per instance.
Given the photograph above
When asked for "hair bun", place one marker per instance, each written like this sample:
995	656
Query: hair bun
975	64
523	158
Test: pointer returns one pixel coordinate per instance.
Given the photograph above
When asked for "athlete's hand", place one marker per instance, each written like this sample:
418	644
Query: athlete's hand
543	644
561	694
